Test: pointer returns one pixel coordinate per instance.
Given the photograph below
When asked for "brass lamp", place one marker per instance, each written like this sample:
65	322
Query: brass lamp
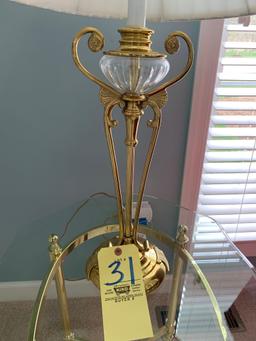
134	72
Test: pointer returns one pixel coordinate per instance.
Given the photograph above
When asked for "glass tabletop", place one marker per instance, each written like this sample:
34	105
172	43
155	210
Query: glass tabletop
196	316
227	271
225	268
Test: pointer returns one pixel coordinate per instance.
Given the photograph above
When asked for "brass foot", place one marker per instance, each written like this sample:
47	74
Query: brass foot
170	337
70	337
154	265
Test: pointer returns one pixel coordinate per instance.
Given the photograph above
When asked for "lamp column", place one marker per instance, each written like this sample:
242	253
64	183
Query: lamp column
132	112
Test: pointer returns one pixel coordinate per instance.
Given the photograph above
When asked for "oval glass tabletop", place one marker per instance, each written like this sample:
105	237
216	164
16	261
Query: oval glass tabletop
203	299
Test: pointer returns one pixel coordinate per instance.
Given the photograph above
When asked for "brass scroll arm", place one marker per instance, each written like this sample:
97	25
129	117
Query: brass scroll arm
95	44
172	46
156	103
110	101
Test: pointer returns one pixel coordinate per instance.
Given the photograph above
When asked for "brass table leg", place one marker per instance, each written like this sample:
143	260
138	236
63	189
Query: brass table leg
55	251
181	240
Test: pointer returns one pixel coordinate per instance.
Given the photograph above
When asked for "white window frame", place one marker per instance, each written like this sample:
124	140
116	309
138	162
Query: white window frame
204	82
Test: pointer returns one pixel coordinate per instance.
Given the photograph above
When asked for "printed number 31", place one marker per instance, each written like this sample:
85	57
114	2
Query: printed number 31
116	264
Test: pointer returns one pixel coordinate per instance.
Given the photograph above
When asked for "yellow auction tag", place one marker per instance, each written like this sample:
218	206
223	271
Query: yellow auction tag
123	298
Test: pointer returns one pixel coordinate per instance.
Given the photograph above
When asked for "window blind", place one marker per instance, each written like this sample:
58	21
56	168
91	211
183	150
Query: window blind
227	190
228	184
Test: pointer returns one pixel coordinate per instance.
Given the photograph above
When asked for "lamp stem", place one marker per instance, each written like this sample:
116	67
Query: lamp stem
137	13
129	191
132	114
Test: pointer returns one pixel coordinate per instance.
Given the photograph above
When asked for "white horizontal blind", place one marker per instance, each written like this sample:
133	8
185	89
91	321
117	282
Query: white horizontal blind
228	184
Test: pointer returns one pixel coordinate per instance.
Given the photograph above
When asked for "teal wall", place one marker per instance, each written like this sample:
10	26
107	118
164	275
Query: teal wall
52	147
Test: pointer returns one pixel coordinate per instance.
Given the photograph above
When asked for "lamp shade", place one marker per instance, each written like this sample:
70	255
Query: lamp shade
157	10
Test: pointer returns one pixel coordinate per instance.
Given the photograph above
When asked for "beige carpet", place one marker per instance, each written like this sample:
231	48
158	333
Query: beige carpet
85	317
87	321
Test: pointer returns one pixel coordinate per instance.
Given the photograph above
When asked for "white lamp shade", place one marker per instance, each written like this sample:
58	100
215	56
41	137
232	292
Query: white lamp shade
157	10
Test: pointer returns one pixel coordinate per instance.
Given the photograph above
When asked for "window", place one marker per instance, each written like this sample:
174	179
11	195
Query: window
223	176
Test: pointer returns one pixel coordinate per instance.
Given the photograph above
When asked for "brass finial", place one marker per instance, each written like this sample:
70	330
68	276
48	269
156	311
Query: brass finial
54	247
182	237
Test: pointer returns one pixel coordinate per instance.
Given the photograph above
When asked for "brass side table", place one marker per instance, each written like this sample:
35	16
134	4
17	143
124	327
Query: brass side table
185	303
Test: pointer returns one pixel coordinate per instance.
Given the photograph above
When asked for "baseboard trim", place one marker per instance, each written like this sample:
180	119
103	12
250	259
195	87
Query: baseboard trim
27	291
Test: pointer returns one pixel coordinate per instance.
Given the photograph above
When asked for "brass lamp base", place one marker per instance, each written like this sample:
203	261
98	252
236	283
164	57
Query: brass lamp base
154	264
